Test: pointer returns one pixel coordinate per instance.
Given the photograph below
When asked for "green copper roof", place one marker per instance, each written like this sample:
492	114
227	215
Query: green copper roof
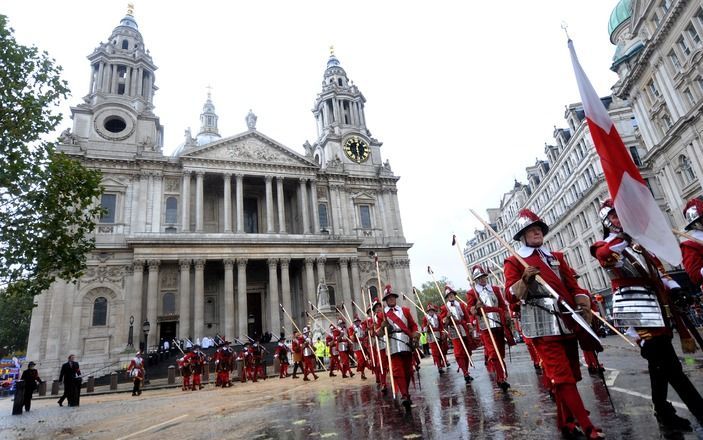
622	12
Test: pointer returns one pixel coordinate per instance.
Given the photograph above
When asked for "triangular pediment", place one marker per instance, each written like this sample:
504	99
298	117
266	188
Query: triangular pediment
250	147
363	197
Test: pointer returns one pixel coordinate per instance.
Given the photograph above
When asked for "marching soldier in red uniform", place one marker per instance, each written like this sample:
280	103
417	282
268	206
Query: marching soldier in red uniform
186	368
136	372
693	250
297	348
224	363
488	297
455	317
281	354
378	347
358	338
331	342
257	352
344	348
636	274
197	360
433	327
403	335
308	355
242	360
543	322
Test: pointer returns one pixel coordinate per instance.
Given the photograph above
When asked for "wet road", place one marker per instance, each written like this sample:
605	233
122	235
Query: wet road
443	408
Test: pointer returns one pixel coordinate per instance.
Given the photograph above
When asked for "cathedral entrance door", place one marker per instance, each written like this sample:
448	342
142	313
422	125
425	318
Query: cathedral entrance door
254	320
167	331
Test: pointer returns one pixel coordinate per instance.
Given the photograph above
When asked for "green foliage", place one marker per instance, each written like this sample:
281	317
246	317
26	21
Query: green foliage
15	315
47	200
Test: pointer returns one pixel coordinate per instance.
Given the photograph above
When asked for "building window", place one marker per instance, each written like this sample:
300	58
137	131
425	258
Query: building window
665	5
109	203
168	304
689	96
693	34
322	211
251	215
171	210
666	121
681	42
365	216
699	81
674	60
330	291
635	156
125	44
653	90
686	170
100	311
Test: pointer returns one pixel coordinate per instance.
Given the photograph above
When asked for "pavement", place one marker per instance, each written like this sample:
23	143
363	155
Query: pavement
443	407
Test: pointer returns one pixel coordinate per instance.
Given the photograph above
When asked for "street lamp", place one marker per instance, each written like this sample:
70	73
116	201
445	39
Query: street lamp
145	328
130	336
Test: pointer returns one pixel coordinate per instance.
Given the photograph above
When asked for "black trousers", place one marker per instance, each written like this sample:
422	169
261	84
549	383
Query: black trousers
28	398
296	366
137	388
664	369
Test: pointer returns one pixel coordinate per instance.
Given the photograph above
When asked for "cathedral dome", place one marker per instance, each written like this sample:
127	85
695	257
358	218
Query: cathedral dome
129	21
621	13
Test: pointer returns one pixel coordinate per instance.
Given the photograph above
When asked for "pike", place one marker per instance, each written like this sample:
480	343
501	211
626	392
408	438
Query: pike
385	327
451	316
372	361
472	282
574	315
346	334
255	341
351	323
422	308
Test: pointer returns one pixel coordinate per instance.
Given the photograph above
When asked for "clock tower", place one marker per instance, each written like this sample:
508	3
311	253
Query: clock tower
343	140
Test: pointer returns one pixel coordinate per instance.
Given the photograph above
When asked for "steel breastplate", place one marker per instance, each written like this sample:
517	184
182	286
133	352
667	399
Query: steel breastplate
489	298
540	314
637	306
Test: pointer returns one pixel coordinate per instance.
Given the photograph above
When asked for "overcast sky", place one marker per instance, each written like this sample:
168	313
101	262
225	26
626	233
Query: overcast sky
463	95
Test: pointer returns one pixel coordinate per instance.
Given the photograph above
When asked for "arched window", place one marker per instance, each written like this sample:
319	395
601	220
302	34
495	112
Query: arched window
168	304
171	210
100	311
339	81
125	44
374	291
686	170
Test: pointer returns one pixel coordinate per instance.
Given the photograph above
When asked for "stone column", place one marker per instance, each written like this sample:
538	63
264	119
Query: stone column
113	80
384	212
275	315
135	300
140	81
185	202
333	218
285	294
184	329
152	299
281	206
315	213
157	202
310	285
240	203
199	201
127	78
396	214
56	320
343	201
199	300
346	288
228	202
269	205
229	299
142	202
304	205
242	296
99	86
355	281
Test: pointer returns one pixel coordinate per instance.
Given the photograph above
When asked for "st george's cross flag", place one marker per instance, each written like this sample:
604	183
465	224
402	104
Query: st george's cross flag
637	210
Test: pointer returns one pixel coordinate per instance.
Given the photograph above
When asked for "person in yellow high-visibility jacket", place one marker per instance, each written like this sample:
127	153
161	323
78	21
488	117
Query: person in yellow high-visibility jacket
321	350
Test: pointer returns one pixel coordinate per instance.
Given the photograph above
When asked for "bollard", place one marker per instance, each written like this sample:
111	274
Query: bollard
240	370
19	398
91	385
42	388
206	373
55	388
113	380
171	374
276	366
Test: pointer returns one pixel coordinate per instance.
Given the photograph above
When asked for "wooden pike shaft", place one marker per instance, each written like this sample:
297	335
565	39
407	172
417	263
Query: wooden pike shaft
373	363
385	329
351	323
483	312
434	335
613	329
686	236
451	317
291	319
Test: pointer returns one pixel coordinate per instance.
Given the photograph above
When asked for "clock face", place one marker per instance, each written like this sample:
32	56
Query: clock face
357	149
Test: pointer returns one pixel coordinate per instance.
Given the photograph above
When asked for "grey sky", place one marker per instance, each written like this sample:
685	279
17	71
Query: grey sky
463	94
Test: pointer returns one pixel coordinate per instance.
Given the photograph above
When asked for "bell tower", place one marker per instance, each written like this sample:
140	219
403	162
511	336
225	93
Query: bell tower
116	117
343	140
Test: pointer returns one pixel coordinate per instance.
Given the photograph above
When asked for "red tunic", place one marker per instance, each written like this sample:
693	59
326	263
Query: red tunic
693	260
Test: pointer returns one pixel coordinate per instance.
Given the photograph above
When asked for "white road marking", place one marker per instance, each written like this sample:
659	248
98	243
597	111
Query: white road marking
612	375
646	396
153	427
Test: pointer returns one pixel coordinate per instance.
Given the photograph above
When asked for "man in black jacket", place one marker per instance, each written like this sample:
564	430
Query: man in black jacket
31	379
71	377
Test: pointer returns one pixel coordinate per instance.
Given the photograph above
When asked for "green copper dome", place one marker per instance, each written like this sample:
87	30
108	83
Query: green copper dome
622	12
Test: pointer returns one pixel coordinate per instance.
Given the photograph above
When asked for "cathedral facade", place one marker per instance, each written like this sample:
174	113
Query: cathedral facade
214	238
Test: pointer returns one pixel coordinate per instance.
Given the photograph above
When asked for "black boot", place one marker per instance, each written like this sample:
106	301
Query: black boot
667	418
504	386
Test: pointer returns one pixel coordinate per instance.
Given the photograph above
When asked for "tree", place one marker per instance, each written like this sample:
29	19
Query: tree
47	200
429	294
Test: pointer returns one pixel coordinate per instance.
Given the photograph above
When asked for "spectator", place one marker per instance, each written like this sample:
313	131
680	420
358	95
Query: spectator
31	379
321	350
167	348
71	376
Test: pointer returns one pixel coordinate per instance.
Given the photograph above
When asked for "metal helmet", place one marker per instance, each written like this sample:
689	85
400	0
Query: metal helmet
388	292
477	272
527	218
692	213
606	208
447	291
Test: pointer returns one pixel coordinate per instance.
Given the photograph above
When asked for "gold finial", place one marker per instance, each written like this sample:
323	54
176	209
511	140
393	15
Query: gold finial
565	27
332	50
130	9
